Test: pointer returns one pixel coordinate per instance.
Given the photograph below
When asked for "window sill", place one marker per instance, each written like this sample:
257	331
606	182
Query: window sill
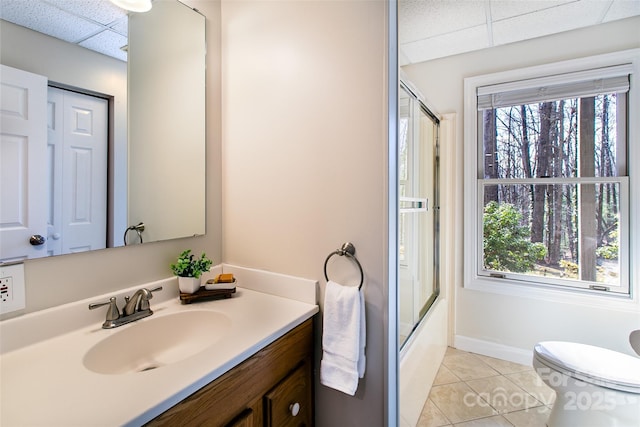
583	297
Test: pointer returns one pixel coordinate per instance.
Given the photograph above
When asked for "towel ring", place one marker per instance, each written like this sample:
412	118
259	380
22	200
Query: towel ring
137	228
349	250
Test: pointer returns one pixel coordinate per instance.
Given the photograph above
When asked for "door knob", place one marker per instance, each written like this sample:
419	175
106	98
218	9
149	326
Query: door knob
37	240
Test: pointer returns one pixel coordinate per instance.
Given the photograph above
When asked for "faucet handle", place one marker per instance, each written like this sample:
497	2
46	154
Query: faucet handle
144	299
112	313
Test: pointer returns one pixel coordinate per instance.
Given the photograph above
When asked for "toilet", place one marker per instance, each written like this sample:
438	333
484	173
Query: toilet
594	386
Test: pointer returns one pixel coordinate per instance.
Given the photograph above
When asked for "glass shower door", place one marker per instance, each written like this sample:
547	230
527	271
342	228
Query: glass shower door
418	212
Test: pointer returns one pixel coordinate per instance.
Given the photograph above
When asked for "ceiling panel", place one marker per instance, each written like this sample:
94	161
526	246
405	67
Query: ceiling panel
547	21
503	9
622	9
101	11
108	43
452	43
435	18
430	29
95	24
45	18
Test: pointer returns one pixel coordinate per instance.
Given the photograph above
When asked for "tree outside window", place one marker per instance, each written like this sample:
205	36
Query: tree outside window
550	195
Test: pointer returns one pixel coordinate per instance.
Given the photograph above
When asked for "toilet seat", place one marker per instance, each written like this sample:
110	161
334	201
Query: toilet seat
596	365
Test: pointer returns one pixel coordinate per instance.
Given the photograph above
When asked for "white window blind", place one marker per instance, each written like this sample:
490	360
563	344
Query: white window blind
552	88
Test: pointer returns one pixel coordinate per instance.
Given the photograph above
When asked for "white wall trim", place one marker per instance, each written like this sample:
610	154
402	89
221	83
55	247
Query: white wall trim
491	349
449	211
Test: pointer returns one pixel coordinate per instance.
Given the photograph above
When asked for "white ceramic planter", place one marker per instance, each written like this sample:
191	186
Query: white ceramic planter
188	285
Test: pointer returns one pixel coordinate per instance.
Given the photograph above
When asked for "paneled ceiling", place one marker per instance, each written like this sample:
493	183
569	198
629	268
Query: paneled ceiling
430	29
94	24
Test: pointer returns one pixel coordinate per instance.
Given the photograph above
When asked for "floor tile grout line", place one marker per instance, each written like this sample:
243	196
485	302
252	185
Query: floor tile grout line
502	412
539	401
523	390
439	409
481	418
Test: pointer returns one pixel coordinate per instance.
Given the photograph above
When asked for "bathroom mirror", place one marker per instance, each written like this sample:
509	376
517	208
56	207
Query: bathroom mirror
152	167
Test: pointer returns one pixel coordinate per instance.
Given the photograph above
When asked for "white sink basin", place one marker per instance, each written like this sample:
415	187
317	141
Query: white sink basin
157	341
100	370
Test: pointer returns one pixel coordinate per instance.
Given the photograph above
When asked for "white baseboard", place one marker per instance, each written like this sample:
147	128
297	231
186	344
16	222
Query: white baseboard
499	351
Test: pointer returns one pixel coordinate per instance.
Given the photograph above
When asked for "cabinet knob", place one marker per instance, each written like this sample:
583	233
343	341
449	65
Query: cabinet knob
294	408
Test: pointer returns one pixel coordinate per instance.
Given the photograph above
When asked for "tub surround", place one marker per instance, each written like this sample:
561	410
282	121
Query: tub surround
420	358
42	353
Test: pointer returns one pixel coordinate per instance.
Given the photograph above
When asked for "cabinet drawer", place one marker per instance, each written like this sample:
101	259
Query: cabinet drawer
289	403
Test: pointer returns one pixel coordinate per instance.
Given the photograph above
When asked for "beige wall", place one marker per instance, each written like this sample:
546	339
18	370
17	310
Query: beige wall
305	158
61	279
482	316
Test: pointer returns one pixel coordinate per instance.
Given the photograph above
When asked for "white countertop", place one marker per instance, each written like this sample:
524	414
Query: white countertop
45	383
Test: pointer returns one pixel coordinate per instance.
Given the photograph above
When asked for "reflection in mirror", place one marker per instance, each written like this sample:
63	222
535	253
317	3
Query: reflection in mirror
167	121
69	177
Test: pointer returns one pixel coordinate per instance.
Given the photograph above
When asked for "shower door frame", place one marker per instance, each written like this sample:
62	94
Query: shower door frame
420	309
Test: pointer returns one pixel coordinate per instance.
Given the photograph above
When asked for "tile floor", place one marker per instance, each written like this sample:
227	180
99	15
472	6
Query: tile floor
471	390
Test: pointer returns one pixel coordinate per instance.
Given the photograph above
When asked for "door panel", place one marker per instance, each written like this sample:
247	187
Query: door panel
55	144
23	154
84	176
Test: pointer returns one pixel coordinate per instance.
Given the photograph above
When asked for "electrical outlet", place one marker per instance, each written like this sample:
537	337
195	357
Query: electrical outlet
6	290
12	288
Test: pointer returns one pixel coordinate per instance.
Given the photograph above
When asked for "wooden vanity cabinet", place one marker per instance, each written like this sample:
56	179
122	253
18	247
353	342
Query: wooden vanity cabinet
273	388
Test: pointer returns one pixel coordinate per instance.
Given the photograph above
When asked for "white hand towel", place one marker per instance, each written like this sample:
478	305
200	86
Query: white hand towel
342	338
363	338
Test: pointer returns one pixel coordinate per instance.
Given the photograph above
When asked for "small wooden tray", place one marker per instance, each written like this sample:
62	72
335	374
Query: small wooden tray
203	294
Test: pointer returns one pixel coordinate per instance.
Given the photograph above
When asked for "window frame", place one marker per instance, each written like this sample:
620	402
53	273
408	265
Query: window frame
510	283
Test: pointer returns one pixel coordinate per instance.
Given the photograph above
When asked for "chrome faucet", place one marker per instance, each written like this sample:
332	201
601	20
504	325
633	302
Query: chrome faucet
138	302
136	307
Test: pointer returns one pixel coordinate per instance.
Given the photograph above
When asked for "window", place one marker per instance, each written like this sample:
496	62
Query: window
547	196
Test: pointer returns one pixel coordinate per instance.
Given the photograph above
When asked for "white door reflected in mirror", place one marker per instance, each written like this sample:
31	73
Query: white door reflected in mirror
23	153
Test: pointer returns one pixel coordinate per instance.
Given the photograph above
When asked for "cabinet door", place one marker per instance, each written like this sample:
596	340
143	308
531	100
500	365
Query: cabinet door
245	419
289	403
237	398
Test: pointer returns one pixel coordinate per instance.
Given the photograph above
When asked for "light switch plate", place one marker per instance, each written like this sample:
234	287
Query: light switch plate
12	289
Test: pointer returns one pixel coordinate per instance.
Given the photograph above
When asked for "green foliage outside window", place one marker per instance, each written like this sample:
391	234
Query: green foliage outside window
611	250
507	243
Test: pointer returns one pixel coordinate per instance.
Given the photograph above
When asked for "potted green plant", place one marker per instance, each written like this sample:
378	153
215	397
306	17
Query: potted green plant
188	268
